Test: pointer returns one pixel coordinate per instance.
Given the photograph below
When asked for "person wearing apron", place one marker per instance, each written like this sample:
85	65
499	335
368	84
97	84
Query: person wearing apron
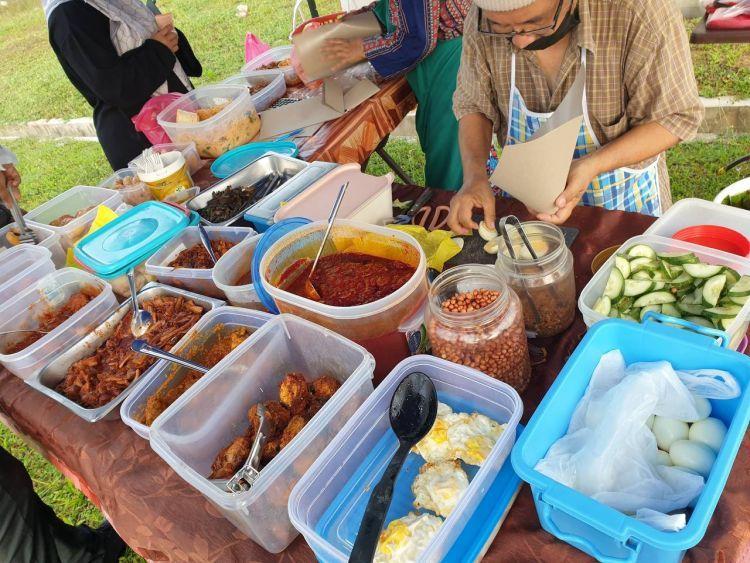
422	39
640	97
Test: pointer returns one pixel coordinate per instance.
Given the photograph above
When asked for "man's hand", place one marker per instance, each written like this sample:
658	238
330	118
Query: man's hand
582	171
343	53
167	36
10	180
472	195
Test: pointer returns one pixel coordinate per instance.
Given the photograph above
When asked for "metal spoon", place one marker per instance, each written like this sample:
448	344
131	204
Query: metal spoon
206	243
412	413
24	330
141	321
310	290
142	347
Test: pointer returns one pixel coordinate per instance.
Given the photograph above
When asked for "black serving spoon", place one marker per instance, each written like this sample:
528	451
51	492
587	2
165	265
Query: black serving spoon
413	410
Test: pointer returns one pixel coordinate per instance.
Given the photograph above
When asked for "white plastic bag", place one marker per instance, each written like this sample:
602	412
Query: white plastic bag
608	453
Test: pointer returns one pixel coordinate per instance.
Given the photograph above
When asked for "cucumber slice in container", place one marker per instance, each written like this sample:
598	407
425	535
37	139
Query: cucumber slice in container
678	258
615	284
690	309
642	275
700	321
654	308
702	270
741	288
641	250
671	310
722	312
712	290
603	305
733	276
726	323
634	287
625	304
643	263
655	298
623	265
682	281
739	300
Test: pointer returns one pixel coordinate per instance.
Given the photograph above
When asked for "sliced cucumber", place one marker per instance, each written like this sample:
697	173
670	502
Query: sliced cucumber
642	250
654	308
632	315
722	312
615	283
678	258
700	321
702	270
693	297
726	323
669	271
732	276
603	305
635	287
659	276
654	298
690	309
625	304
643	263
741	288
623	265
682	281
712	290
739	300
658	286
671	310
642	275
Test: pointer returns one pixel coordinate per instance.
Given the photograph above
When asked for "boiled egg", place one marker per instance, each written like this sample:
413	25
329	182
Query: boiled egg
692	455
710	431
669	430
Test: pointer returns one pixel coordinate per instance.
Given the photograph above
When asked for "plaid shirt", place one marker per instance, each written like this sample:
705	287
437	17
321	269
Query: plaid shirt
638	70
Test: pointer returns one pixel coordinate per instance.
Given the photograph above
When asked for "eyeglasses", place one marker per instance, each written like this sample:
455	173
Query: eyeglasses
484	26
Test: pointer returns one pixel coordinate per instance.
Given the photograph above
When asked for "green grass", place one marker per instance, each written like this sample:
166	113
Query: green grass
721	70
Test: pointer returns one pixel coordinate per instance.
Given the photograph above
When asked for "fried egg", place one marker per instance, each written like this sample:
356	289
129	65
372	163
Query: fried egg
405	539
439	486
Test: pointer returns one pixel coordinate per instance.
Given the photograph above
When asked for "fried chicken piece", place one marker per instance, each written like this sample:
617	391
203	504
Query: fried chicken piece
269	451
277	417
294	393
292	429
315	405
231	458
324	387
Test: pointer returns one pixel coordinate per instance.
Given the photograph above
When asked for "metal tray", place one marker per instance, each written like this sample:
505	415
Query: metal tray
253	172
47	379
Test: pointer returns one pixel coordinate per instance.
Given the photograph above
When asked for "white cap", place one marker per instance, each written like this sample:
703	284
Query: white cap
502	5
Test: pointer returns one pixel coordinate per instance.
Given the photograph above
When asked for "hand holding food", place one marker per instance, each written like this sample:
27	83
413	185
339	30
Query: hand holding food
473	195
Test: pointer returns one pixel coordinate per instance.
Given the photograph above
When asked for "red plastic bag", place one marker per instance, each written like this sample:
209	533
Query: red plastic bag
254	46
145	120
735	17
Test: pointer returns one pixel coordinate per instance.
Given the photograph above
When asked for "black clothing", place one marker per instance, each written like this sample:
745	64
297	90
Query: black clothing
5	216
115	86
31	532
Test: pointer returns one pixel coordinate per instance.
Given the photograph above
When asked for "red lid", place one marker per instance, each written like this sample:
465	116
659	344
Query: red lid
714	236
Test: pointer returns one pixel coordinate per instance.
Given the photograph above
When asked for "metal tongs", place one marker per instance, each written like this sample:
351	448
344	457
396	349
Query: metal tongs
249	472
25	234
506	237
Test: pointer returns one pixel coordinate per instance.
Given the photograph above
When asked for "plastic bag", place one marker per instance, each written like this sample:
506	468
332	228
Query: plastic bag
145	121
254	46
609	453
438	246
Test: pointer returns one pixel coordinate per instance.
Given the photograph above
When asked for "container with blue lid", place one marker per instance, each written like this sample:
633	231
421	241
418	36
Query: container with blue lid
269	238
235	160
130	239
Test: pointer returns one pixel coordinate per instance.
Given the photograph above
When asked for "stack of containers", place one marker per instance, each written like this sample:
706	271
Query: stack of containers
276	55
22	267
265	98
46	238
132	194
213	412
230	268
188	150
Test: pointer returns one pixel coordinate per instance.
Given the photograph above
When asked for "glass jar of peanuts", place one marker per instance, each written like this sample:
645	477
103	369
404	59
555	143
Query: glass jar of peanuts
475	319
545	284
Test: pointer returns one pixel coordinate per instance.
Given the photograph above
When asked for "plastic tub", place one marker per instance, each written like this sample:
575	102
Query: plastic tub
275	86
23	266
188	150
230	267
601	531
132	194
274	55
369	199
46	237
236	124
327	504
212	412
595	287
197	280
52	291
72	202
227	316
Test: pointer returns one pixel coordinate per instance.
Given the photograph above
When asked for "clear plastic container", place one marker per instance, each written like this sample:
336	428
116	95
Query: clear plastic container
46	237
492	338
72	202
236	124
692	211
23	266
52	291
188	150
197	280
370	199
230	268
268	59
214	411
361	322
327	504
272	83
595	288
132	193
188	347
546	285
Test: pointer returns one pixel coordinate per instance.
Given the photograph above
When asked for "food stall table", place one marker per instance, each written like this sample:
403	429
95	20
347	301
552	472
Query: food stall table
163	518
701	35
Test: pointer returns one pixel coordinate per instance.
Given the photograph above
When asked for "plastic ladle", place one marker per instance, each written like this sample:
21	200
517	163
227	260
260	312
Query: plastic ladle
141	321
412	413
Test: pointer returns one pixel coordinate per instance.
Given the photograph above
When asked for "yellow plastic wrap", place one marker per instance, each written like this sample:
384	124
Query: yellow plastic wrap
438	246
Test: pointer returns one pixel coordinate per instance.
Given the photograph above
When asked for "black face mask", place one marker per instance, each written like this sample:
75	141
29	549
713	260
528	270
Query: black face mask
569	23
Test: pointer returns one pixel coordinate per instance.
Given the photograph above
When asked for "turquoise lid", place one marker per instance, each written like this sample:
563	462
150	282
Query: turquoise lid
131	238
269	238
236	159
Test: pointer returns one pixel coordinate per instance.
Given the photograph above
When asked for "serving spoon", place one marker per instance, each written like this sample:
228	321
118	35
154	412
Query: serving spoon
207	243
412	413
141	321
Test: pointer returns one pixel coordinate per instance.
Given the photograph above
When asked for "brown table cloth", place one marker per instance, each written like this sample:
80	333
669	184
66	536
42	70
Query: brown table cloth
163	518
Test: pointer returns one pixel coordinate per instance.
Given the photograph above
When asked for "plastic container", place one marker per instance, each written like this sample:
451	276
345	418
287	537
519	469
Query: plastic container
225	316
492	338
23	266
603	532
230	267
275	86
369	199
546	285
197	280
71	202
52	291
327	504
236	124
211	413
275	55
132	194
362	322
735	194
235	160
595	287
188	150
46	237
172	178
